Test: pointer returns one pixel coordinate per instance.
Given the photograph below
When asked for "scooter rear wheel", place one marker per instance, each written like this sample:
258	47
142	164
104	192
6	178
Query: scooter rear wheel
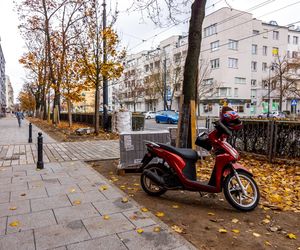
148	185
234	195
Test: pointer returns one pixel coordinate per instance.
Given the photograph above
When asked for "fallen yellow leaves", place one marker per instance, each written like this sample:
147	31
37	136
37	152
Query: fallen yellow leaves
77	202
139	231
175	206
210	214
267	243
15	223
160	214
291	236
13	208
178	229
266	221
124	199
106	217
256	235
236	231
156	229
234	220
278	183
144	209
222	230
102	188
72	190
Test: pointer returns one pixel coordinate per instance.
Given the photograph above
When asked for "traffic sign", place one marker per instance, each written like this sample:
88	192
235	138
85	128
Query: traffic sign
294	102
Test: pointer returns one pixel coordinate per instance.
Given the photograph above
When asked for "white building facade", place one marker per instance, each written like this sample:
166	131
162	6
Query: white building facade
237	52
2	84
9	95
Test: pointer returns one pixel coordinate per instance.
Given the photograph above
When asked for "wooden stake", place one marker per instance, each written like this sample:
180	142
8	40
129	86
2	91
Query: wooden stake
181	99
193	124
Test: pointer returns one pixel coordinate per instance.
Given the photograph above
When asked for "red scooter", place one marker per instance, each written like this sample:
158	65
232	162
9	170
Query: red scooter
176	170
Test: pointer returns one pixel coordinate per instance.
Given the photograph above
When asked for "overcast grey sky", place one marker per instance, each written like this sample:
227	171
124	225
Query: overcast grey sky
132	30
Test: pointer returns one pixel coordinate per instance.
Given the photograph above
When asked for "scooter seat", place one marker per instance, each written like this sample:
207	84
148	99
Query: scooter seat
185	153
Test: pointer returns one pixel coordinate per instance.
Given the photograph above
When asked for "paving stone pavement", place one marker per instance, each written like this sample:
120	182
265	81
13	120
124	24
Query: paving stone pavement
63	206
15	149
38	210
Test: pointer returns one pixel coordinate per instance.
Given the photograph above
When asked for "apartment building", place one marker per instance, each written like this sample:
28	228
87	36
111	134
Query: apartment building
237	54
2	83
9	95
152	79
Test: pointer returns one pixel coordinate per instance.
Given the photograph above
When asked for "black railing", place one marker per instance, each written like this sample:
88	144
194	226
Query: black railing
273	138
138	120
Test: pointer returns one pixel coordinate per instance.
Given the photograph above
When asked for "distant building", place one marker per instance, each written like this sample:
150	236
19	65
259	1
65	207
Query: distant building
2	83
237	52
9	95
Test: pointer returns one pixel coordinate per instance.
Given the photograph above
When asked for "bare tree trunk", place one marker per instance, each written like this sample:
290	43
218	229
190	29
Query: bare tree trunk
70	113
97	105
190	70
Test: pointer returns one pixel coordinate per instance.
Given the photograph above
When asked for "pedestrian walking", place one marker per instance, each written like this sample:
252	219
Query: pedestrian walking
20	117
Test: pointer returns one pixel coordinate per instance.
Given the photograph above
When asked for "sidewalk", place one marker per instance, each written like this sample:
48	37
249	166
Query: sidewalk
10	133
68	205
15	149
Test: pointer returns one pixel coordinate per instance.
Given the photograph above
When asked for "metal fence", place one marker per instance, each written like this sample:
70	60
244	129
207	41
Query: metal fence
138	121
273	138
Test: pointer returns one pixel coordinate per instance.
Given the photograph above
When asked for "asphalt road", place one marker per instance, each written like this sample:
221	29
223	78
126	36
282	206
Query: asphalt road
150	124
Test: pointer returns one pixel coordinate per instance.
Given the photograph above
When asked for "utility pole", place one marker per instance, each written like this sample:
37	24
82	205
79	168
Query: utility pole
269	90
105	81
165	83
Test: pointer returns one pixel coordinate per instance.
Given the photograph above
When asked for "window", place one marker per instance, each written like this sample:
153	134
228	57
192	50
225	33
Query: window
275	35
253	93
240	108
253	82
208	81
232	63
254	49
215	64
295	40
236	92
207	108
177	57
210	30
275	51
146	68
289	39
265	84
264	66
232	44
224	91
255	32
265	50
253	66
214	46
240	80
288	54
265	33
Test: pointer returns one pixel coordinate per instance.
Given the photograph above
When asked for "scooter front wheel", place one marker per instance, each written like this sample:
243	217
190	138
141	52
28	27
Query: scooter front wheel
148	185
243	197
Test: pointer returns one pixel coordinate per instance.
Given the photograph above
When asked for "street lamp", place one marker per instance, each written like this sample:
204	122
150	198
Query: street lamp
269	89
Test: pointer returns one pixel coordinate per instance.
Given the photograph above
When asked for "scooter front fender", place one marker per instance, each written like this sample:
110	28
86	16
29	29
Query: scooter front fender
236	166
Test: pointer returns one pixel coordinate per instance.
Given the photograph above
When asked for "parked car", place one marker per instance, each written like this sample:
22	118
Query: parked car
150	115
167	116
276	114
